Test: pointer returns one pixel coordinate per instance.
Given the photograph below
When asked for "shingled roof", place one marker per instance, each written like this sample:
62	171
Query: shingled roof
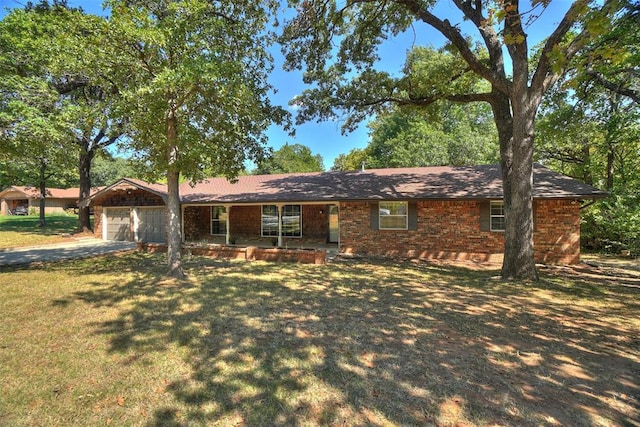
51	193
442	182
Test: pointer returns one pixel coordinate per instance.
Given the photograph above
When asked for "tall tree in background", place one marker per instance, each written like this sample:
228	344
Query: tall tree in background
452	135
194	90
347	80
355	159
292	158
34	121
590	128
107	169
56	46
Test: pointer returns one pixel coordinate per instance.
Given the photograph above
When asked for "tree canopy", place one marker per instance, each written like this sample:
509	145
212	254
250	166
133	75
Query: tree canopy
50	48
193	83
291	158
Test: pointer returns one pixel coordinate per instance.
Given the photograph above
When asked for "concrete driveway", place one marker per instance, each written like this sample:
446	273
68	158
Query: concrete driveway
82	248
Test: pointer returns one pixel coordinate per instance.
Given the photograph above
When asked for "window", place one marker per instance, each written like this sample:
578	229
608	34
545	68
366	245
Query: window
218	220
497	216
393	215
291	220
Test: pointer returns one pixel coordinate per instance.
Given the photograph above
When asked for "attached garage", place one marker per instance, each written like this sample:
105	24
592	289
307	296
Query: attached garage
151	225
118	224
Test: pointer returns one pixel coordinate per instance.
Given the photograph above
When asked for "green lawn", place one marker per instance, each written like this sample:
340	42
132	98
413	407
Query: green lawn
18	231
111	342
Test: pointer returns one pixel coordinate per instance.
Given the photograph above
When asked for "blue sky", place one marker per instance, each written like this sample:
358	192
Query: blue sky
326	138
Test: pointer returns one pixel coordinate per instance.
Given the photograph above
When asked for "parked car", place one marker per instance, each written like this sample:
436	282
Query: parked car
21	210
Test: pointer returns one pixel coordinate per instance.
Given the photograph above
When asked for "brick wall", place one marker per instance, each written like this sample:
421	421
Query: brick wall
97	221
557	232
451	230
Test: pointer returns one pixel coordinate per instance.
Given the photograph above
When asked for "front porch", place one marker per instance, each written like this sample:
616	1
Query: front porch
284	226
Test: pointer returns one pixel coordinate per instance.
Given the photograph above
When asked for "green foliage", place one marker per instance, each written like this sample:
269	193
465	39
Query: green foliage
204	64
291	159
353	160
590	129
613	225
448	135
108	169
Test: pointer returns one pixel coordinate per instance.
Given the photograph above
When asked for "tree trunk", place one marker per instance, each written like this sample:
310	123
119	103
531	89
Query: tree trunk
519	261
86	157
43	191
587	176
174	235
610	166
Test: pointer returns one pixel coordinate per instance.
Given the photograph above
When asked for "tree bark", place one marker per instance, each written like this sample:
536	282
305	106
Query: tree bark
43	191
86	157
519	261
174	235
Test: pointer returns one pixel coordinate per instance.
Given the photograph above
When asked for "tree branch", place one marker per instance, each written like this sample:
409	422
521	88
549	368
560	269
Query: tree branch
455	37
424	101
543	77
600	79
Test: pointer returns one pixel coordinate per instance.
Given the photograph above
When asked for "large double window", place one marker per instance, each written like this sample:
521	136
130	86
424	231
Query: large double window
393	215
291	220
218	220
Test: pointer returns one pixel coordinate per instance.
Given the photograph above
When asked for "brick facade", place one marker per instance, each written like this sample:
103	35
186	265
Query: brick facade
444	229
451	230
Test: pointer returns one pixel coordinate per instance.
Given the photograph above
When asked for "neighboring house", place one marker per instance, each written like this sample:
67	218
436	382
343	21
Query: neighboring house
431	212
17	199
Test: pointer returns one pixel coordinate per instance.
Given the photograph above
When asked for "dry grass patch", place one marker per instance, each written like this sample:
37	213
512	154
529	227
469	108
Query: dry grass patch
109	341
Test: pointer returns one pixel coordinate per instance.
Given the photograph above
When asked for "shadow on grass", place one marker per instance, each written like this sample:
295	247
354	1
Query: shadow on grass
380	343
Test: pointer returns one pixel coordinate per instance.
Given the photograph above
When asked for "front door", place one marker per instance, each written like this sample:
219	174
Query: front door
334	224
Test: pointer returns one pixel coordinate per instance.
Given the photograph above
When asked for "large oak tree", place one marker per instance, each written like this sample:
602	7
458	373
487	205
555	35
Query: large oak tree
336	44
194	88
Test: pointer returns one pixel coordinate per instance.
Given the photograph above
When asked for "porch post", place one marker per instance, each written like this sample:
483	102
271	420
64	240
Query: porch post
182	236
228	236
279	225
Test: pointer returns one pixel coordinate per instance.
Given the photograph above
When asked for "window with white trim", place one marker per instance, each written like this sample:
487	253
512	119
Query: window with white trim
393	215
497	215
291	220
218	220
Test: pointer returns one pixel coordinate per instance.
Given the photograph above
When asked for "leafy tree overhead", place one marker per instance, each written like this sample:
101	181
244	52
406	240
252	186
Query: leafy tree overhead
194	90
291	159
337	45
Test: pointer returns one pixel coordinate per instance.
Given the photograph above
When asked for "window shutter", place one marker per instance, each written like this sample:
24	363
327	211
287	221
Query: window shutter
375	215
485	215
413	216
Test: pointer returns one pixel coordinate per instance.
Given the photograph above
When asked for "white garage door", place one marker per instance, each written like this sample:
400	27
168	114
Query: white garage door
151	226
118	224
